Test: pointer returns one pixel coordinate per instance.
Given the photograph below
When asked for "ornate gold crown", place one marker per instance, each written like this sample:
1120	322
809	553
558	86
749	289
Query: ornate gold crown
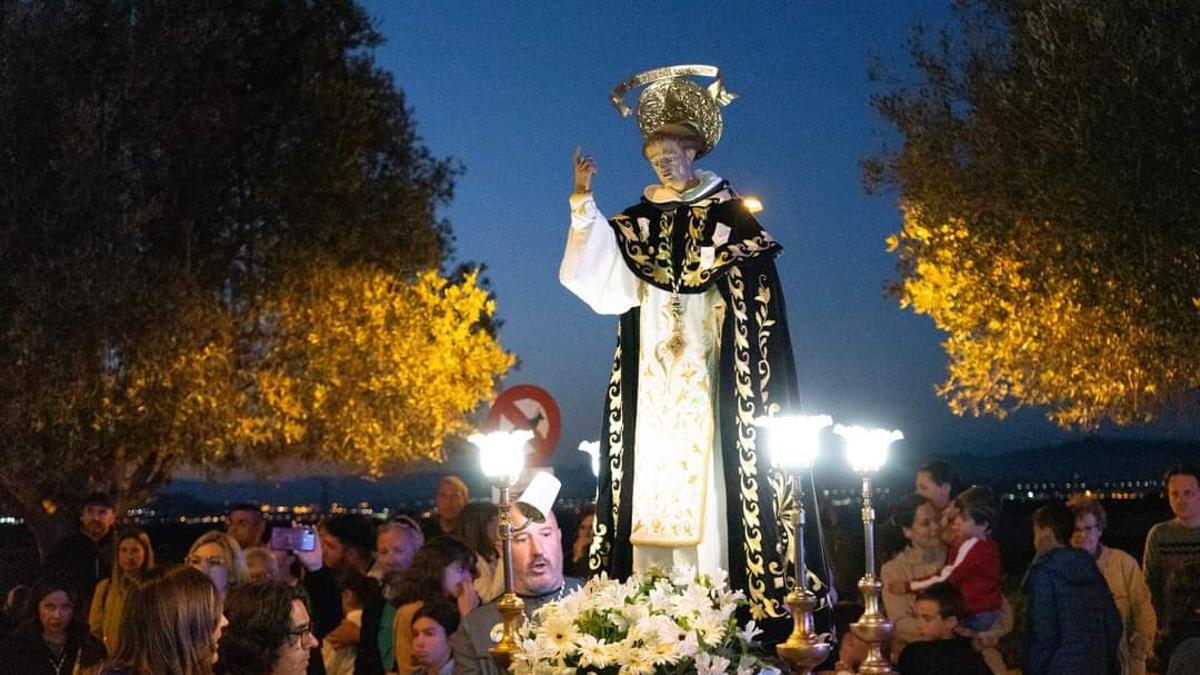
672	99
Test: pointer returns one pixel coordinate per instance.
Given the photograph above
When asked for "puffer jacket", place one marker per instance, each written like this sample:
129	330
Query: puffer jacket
1072	626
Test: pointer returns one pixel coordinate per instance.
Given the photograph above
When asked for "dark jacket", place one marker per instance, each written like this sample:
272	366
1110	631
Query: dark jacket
954	656
25	653
369	661
83	561
325	608
1071	626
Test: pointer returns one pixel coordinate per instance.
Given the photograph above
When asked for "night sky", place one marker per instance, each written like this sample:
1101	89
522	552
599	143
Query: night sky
508	89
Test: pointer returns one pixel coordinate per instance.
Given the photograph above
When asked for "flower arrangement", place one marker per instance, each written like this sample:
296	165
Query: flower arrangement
654	623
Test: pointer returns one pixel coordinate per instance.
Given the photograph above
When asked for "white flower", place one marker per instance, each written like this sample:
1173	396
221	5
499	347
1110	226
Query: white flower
662	620
637	665
711	627
560	635
693	600
592	652
660	597
750	632
710	664
684	575
720	579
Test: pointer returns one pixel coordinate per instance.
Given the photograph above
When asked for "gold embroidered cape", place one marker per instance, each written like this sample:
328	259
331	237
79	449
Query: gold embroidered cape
710	242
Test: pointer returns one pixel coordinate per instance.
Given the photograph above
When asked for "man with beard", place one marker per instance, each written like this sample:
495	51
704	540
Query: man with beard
86	556
396	544
537	558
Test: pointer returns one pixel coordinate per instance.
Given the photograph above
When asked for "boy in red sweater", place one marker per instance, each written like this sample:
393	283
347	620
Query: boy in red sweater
972	564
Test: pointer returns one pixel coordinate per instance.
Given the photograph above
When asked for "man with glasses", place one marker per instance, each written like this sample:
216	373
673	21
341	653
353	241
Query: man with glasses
1125	581
269	633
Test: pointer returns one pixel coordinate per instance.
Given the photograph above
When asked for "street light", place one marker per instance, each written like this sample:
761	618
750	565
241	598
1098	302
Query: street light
501	457
867	451
792	443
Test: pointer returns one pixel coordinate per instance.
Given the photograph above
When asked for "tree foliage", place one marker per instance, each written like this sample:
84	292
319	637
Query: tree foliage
368	370
218	236
1050	185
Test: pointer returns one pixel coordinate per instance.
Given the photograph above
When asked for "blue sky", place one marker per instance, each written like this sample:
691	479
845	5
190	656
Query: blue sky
508	89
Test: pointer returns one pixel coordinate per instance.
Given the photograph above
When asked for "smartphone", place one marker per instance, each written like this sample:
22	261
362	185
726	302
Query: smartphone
293	539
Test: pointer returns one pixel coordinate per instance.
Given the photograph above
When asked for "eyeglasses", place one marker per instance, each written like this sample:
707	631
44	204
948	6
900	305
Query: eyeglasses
209	562
300	633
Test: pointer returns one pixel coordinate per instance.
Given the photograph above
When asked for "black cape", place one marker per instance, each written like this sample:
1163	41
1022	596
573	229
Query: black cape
713	240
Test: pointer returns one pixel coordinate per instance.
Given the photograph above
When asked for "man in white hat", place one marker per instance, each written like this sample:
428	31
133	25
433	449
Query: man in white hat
537	557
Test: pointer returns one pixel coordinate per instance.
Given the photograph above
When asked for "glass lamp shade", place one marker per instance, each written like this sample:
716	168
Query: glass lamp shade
793	440
867	449
502	454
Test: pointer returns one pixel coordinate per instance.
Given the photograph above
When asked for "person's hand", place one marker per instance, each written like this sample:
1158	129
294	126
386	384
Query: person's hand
964	631
983	641
467	597
312	560
897	587
585	170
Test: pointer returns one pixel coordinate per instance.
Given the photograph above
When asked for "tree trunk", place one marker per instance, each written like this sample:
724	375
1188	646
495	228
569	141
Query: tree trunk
48	529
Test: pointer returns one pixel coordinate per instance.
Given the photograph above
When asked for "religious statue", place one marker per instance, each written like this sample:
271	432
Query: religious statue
702	351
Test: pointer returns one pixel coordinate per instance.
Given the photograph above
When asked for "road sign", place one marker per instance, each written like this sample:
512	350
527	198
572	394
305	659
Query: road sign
528	407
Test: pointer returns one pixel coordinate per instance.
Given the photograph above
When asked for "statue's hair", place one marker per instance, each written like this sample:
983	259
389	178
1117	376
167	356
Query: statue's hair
687	138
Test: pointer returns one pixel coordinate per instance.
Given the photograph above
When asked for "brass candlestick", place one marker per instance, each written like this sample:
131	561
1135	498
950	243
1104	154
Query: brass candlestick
803	650
501	456
511	607
873	627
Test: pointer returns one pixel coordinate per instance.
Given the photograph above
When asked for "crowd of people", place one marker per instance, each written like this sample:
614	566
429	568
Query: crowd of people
1088	608
407	596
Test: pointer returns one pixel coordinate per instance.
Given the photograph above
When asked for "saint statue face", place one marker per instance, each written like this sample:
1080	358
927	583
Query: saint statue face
672	163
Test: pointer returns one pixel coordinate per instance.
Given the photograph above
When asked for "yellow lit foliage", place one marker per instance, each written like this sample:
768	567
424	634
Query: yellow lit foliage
349	366
1022	332
369	370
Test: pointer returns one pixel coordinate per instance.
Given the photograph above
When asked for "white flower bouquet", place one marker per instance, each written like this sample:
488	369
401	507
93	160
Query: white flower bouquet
654	623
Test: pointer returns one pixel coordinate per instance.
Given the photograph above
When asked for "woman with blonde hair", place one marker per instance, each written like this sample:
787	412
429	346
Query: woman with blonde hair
220	557
134	556
172	624
261	564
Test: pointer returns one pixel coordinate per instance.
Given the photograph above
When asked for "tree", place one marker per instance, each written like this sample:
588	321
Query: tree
180	184
1050	187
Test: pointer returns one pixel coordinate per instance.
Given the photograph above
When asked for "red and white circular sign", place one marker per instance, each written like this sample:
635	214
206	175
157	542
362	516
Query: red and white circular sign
528	407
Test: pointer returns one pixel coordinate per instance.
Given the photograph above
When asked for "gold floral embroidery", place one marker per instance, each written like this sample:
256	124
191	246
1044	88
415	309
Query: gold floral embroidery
762	605
785	510
765	322
676	397
654	262
602	543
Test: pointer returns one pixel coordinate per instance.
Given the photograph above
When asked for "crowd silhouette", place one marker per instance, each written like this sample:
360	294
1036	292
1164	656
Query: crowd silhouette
350	595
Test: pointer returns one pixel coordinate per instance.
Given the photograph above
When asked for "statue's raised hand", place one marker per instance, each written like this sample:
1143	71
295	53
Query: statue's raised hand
585	170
